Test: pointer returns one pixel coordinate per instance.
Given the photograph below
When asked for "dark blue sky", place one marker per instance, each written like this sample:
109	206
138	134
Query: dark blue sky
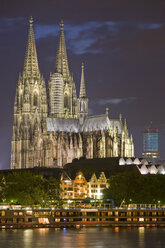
121	42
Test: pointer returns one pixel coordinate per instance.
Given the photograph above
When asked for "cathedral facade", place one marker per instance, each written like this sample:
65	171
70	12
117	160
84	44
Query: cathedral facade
52	128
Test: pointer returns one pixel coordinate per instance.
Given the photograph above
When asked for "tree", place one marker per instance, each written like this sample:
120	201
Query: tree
2	186
131	187
26	188
52	189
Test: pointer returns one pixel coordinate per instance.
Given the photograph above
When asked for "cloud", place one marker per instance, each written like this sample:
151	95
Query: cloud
80	37
91	37
42	31
72	31
116	100
150	26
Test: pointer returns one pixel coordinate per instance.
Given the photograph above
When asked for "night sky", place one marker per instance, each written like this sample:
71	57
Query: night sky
121	42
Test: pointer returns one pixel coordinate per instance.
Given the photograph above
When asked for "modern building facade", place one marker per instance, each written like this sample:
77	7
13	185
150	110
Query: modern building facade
150	142
51	129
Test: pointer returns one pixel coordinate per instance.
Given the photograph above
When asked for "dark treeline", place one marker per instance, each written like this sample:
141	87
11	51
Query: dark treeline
27	188
130	187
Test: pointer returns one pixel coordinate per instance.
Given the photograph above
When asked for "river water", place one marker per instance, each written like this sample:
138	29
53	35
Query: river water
86	237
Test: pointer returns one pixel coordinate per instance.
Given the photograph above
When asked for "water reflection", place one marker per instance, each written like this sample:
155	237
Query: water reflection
43	231
141	237
27	237
84	238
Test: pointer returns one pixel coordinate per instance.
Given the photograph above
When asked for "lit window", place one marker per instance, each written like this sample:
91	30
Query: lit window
43	220
57	220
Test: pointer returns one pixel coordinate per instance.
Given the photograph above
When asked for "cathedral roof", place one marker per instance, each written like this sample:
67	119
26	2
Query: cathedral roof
91	123
61	124
97	122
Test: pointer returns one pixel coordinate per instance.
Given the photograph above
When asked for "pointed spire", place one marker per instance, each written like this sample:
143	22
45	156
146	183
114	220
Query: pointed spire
31	68
120	117
125	124
107	110
61	65
82	85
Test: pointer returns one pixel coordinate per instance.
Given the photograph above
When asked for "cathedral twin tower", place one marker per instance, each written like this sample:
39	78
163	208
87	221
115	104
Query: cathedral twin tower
52	131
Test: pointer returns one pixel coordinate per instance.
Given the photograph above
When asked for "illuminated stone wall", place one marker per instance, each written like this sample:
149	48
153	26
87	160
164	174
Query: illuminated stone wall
53	132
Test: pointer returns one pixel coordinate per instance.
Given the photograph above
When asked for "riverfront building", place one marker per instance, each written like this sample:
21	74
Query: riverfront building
52	128
82	188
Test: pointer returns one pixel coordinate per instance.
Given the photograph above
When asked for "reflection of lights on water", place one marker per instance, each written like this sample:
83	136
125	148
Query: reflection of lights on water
141	236
141	229
27	237
57	229
64	229
116	229
28	233
43	230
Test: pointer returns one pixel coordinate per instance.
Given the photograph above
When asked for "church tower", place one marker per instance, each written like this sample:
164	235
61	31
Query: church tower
82	100
30	112
62	90
53	136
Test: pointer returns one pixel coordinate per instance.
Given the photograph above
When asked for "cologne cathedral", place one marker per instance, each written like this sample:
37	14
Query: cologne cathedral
51	128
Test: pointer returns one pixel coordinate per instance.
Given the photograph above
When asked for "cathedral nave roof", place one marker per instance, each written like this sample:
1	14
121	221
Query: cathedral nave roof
98	122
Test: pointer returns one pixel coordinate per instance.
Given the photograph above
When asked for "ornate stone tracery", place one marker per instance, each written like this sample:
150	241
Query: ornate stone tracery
52	133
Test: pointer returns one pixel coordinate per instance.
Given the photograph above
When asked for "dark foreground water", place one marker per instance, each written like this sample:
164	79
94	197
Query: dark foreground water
82	238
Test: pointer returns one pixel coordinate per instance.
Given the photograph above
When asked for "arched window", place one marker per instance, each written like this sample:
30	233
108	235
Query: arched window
66	101
83	107
35	99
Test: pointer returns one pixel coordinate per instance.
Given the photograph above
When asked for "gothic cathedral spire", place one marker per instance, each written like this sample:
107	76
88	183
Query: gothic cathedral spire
82	85
82	100
42	139
30	112
61	65
31	68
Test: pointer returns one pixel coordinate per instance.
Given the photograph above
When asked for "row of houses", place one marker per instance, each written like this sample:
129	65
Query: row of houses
82	187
